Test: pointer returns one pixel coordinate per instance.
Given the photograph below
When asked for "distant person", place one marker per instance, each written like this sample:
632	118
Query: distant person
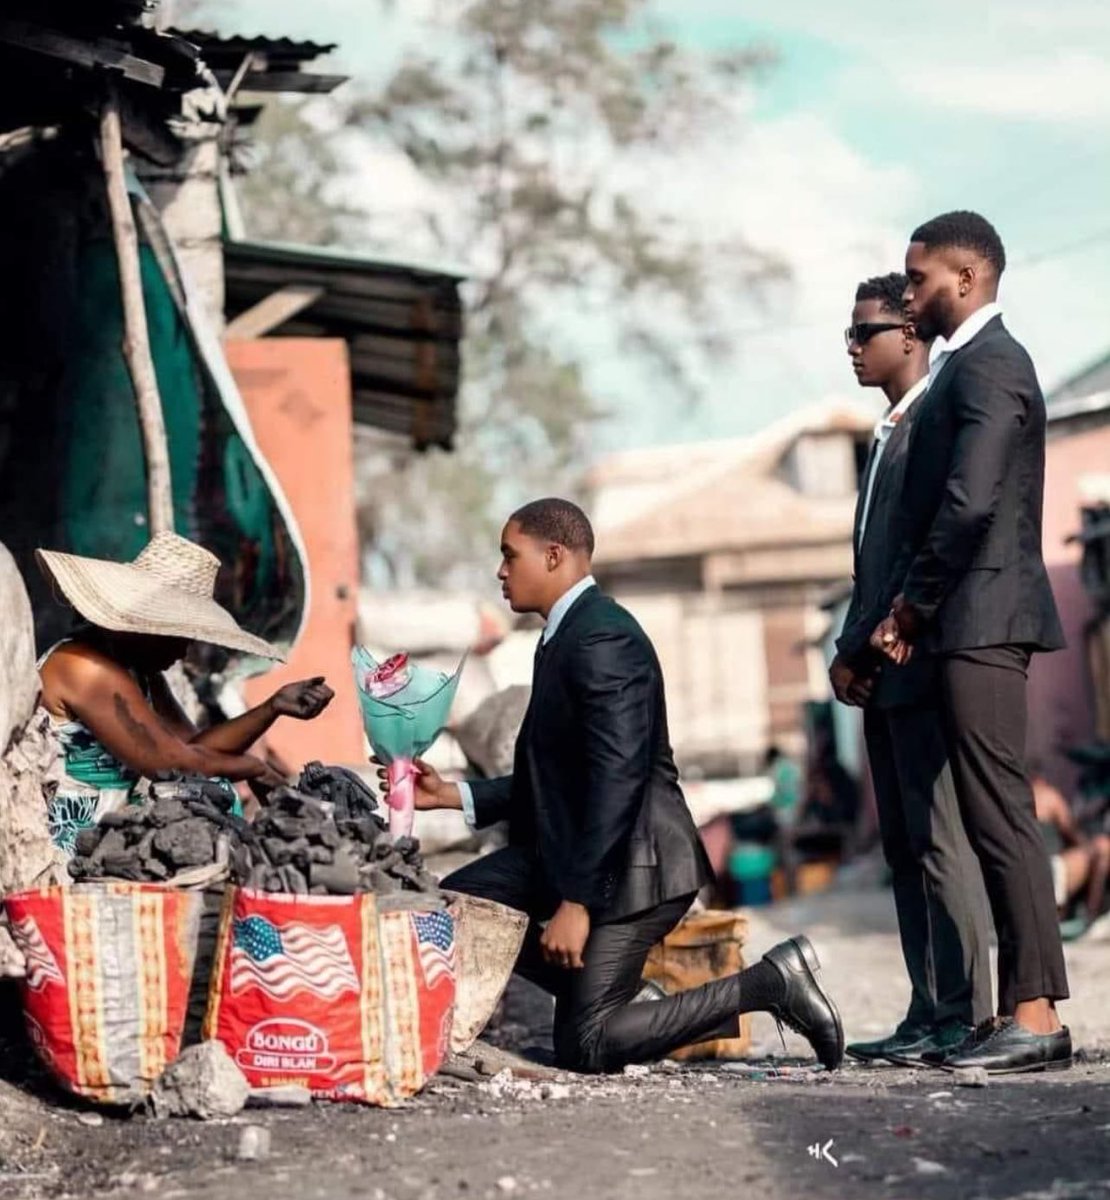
942	916
1079	864
971	590
786	777
603	854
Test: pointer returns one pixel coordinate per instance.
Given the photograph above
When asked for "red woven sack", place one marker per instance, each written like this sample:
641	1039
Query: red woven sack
108	974
333	994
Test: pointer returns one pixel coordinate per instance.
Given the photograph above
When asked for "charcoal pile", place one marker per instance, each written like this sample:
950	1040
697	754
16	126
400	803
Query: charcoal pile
299	844
182	824
321	837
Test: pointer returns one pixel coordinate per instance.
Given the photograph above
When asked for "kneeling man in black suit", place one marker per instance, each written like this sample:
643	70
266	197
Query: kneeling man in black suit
603	854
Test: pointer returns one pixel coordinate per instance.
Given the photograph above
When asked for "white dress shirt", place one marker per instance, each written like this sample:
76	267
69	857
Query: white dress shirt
555	618
883	430
942	349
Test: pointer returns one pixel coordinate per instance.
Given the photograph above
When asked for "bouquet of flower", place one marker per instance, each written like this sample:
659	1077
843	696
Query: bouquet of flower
404	709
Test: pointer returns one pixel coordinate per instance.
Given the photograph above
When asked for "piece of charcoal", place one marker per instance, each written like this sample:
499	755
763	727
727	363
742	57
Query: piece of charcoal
205	809
218	796
339	877
135	834
153	868
320	854
278	852
383	851
407	873
144	849
257	878
274	882
116	819
81	867
293	880
167	811
326	835
239	861
122	866
87	841
376	880
186	843
112	844
427	882
406	847
286	827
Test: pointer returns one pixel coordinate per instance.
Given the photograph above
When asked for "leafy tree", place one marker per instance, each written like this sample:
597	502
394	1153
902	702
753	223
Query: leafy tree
534	123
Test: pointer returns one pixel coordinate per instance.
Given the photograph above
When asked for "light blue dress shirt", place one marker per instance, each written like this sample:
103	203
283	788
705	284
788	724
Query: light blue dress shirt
554	619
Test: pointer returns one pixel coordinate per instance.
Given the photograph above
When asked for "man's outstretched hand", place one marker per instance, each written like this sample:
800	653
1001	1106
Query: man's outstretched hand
431	789
566	935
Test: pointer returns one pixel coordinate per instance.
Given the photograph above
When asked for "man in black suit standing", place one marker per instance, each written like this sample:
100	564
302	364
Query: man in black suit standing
603	854
942	917
971	590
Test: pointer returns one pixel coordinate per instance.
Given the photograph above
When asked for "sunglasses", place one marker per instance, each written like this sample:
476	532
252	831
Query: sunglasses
861	334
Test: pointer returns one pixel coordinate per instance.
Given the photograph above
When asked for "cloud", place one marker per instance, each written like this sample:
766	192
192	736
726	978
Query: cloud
1070	86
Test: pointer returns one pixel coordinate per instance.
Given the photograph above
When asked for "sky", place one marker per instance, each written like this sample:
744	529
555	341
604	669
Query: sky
876	117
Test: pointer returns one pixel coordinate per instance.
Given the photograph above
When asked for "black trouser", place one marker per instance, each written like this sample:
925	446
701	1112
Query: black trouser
984	706
597	1027
938	893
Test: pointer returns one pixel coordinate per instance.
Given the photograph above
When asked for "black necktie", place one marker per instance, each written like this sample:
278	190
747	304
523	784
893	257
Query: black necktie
541	648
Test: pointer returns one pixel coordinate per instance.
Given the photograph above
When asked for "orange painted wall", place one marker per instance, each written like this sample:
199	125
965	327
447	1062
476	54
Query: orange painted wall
298	394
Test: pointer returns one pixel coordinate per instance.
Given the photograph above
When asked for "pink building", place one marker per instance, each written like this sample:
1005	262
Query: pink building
1063	703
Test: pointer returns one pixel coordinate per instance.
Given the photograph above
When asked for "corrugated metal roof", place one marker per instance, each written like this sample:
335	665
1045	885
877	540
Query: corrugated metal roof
403	325
218	48
276	63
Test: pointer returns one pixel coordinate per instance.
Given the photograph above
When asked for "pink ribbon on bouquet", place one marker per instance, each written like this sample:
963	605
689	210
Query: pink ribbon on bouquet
402	774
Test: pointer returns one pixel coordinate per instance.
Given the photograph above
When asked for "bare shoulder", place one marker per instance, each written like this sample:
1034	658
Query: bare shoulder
73	668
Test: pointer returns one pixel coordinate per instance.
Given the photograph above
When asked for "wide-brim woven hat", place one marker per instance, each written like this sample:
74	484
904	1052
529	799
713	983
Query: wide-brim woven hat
167	591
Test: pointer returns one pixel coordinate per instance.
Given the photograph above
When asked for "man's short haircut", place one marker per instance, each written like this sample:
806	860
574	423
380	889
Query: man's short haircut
558	521
887	289
964	231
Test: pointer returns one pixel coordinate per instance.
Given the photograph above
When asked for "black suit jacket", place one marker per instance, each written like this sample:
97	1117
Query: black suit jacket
875	561
970	559
594	791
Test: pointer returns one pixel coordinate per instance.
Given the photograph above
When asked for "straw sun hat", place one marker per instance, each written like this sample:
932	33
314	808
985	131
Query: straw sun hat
166	591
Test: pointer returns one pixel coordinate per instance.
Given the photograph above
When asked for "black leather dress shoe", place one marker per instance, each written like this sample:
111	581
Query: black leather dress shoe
906	1036
807	1008
979	1033
1012	1049
933	1048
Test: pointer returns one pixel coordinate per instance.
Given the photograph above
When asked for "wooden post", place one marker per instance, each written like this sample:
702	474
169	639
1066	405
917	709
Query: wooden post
136	337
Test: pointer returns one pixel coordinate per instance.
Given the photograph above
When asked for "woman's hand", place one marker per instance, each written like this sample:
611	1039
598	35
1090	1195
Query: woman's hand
303	700
431	789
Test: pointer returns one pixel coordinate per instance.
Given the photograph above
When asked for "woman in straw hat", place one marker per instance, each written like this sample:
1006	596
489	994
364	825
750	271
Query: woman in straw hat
110	707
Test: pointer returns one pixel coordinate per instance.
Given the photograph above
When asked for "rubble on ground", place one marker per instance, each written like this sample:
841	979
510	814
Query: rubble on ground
202	1082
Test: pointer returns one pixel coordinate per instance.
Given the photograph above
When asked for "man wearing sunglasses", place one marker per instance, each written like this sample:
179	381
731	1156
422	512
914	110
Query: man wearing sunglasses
942	916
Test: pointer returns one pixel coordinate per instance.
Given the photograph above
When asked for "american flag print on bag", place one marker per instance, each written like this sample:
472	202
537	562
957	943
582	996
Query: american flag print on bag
42	966
435	938
332	993
109	968
285	959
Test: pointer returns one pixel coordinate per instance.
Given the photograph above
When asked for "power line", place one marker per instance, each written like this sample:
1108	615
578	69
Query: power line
1093	239
1035	259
